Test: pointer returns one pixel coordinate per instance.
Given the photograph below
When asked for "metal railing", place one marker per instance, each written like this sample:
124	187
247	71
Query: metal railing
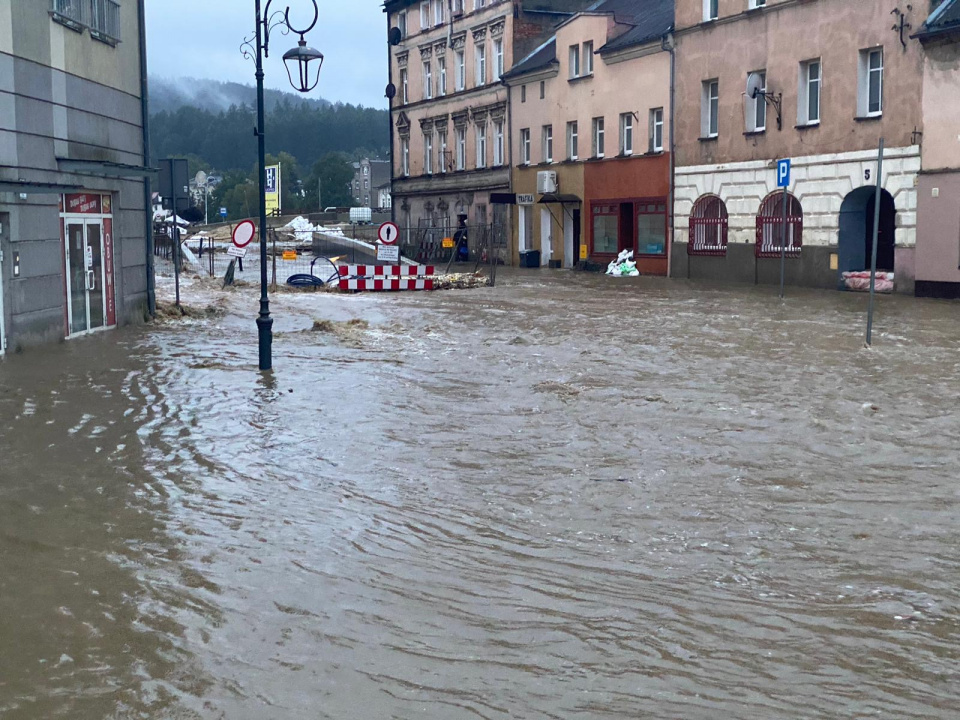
72	12
102	17
105	19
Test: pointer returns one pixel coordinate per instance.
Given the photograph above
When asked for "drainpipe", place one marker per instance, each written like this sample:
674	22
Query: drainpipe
147	187
668	45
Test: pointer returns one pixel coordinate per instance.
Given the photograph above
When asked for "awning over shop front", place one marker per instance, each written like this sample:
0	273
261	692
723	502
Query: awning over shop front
561	198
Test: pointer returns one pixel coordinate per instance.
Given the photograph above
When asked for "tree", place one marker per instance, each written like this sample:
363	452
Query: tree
332	176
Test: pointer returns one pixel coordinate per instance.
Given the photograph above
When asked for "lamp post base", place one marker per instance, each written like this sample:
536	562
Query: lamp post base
265	332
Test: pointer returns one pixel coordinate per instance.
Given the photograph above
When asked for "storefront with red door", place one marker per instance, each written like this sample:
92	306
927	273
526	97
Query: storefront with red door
86	234
626	201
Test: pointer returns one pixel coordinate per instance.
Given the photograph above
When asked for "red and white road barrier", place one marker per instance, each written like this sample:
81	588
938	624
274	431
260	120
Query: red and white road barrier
386	277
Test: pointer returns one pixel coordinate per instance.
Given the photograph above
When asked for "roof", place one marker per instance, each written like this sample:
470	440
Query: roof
944	19
541	58
651	19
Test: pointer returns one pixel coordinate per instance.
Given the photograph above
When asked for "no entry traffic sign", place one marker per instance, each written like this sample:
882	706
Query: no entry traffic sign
243	233
388	233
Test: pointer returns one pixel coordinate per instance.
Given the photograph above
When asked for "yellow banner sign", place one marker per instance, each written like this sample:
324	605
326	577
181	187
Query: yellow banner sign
289	254
273	189
448	242
583	251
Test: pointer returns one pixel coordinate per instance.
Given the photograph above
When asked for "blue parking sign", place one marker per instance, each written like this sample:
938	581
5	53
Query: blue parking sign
783	173
223	212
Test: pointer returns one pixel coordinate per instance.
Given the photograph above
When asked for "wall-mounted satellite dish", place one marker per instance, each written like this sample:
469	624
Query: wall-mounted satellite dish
754	85
391	91
395	36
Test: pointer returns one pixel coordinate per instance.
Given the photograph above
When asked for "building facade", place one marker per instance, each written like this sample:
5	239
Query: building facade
938	221
449	115
74	201
368	176
833	78
590	118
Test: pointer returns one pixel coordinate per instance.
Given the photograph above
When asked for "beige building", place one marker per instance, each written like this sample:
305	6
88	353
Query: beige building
590	118
833	77
449	114
938	228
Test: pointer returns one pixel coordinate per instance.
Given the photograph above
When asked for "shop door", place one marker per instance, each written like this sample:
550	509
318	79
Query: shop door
86	299
546	237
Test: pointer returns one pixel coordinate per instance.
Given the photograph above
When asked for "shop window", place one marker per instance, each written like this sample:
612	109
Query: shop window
770	226
606	229
708	227
651	228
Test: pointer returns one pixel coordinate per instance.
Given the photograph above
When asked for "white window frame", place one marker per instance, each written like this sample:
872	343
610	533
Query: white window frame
404	86
756	108
442	152
626	133
525	146
807	85
598	137
481	64
754	4
546	148
574	62
711	10
405	157
523	93
587	61
428	153
402	23
481	131
656	130
710	108
441	76
573	140
498	58
461	149
427	80
498	143
424	16
866	76
461	70
438	12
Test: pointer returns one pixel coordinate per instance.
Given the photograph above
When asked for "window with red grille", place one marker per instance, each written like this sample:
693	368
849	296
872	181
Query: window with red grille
708	227
771	230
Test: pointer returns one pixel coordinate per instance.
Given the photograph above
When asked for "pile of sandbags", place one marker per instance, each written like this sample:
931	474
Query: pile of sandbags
623	266
860	281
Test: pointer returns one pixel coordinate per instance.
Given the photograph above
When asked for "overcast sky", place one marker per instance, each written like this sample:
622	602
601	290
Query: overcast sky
201	38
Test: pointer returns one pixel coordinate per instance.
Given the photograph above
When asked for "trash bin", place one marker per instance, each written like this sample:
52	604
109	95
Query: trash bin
530	259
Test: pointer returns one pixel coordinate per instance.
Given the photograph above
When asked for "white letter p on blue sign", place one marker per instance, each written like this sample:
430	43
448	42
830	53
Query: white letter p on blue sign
783	173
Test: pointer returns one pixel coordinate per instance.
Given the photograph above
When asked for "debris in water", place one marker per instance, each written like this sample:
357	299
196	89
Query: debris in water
562	390
350	332
460	281
168	311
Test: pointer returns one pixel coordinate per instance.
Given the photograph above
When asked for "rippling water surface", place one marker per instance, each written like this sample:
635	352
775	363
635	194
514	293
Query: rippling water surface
568	497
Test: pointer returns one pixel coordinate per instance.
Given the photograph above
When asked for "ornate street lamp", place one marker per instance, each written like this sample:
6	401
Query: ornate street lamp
257	47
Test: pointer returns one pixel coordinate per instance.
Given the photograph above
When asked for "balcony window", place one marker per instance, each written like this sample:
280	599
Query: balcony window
870	85
626	134
656	130
710	109
808	107
525	146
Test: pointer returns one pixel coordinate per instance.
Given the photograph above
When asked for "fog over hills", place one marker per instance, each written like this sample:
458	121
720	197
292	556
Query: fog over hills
168	94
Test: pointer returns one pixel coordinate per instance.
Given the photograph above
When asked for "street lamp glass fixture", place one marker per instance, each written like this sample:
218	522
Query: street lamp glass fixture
299	62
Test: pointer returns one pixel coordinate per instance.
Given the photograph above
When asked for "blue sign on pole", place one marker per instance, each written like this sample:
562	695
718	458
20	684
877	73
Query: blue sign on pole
783	173
223	212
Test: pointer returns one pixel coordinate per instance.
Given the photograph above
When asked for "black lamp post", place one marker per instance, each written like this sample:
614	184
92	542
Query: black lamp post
299	62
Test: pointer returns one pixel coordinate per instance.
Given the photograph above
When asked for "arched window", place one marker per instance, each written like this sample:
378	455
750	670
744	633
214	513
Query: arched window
708	227
770	226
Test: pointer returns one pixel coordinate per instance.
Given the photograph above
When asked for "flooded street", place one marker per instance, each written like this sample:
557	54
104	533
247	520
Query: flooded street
568	497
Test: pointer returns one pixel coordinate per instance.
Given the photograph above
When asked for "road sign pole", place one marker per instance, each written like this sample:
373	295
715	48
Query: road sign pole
876	236
783	244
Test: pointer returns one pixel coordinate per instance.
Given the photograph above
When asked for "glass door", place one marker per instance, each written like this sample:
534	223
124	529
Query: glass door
85	276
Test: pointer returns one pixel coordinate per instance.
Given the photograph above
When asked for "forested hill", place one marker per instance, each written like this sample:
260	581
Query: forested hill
225	140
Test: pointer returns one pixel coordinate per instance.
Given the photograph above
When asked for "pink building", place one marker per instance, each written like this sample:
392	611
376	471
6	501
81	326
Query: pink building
938	221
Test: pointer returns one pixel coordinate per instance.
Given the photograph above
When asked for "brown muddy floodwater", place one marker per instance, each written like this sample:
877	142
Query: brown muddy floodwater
569	497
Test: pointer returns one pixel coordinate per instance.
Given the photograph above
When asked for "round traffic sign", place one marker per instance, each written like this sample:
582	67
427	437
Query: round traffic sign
388	233
243	233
